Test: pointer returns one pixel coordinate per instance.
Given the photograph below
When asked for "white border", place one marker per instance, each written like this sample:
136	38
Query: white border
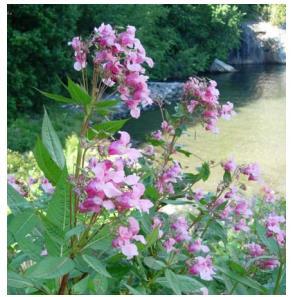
3	111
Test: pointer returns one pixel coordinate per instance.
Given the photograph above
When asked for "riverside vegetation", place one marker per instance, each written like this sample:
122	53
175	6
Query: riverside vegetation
98	227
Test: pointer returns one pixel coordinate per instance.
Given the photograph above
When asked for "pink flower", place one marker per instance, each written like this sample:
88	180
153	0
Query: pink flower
169	244
123	147
229	165
149	150
80	53
170	176
272	224
202	267
197	246
157	135
46	186
192	105
129	250
255	250
157	223
199	194
15	184
180	226
167	128
126	235
242	208
241	226
252	171
105	35
269	264
269	194
227	111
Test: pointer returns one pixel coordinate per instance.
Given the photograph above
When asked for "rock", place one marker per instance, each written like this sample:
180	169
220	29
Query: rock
261	42
219	66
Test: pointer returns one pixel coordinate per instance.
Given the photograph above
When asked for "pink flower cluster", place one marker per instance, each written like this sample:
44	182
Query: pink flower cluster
255	250
126	237
119	57
81	50
111	189
269	194
17	186
252	170
46	186
180	234
203	267
122	147
204	95
170	176
197	246
273	227
166	129
229	165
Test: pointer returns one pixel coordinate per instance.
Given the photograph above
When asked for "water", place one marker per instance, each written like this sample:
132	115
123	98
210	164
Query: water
255	134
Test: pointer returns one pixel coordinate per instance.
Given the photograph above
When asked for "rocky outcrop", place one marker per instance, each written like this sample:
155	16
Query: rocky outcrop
219	66
261	42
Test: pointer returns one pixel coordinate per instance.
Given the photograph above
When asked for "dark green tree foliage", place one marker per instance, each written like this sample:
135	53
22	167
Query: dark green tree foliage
37	49
182	40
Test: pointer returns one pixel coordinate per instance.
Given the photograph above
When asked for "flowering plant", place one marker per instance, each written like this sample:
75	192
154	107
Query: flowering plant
102	228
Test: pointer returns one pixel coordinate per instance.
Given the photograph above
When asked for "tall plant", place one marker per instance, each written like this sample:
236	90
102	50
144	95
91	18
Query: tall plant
101	229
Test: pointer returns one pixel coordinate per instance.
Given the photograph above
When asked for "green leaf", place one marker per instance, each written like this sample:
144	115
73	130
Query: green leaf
78	93
51	267
46	163
237	267
102	241
96	265
81	287
153	263
59	206
242	279
16	202
173	281
106	103
270	243
136	291
104	129
188	285
216	231
152	237
56	97
52	142
16	280
58	213
152	193
227	177
186	153
204	171
75	231
177	201
23	223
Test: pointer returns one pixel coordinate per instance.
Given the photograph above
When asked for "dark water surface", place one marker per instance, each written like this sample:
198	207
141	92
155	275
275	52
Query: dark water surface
256	133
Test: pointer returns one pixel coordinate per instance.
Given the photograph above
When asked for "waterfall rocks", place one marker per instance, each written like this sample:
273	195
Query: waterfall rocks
261	42
219	66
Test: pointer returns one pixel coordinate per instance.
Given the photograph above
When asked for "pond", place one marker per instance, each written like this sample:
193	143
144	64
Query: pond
255	134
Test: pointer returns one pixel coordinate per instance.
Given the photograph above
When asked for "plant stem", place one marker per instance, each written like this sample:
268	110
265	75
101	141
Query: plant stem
278	280
64	283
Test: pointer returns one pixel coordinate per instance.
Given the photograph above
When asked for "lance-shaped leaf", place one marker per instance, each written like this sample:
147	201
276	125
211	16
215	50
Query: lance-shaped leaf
50	267
58	213
52	142
96	264
78	93
46	163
